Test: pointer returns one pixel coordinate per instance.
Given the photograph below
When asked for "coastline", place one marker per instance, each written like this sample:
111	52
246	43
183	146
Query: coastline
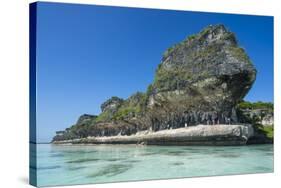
205	135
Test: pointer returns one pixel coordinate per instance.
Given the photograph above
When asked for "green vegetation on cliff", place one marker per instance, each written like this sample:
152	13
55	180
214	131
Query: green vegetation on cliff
239	53
104	116
132	107
268	131
255	105
260	115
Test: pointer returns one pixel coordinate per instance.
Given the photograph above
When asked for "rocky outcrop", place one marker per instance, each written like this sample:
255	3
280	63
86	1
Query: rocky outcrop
268	120
199	81
111	104
262	116
261	113
86	119
194	135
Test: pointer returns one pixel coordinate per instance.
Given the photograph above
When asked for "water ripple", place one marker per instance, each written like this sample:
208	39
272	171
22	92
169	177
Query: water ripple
112	170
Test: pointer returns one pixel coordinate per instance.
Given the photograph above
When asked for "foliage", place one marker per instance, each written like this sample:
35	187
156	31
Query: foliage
205	31
244	112
230	36
133	106
255	105
191	37
149	89
123	112
172	49
208	51
103	117
171	79
268	131
239	53
113	99
245	109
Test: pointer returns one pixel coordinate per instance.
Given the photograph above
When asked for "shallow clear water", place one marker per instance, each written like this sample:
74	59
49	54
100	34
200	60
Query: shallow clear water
64	165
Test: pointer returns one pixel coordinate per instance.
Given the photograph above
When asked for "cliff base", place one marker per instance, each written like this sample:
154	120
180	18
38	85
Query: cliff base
206	135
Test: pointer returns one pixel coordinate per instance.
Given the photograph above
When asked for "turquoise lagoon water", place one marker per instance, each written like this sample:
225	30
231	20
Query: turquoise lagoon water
64	165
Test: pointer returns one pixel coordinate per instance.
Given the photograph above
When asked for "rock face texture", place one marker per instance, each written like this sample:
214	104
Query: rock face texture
85	119
112	104
261	116
264	117
199	81
194	135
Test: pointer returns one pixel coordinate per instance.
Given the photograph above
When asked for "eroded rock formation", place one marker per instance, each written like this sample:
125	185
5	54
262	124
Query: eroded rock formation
199	81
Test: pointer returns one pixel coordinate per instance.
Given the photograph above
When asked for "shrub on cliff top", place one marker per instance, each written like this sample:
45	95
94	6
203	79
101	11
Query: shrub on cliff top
255	105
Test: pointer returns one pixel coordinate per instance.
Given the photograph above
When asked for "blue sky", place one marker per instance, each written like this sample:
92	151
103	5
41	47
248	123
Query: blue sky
86	54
